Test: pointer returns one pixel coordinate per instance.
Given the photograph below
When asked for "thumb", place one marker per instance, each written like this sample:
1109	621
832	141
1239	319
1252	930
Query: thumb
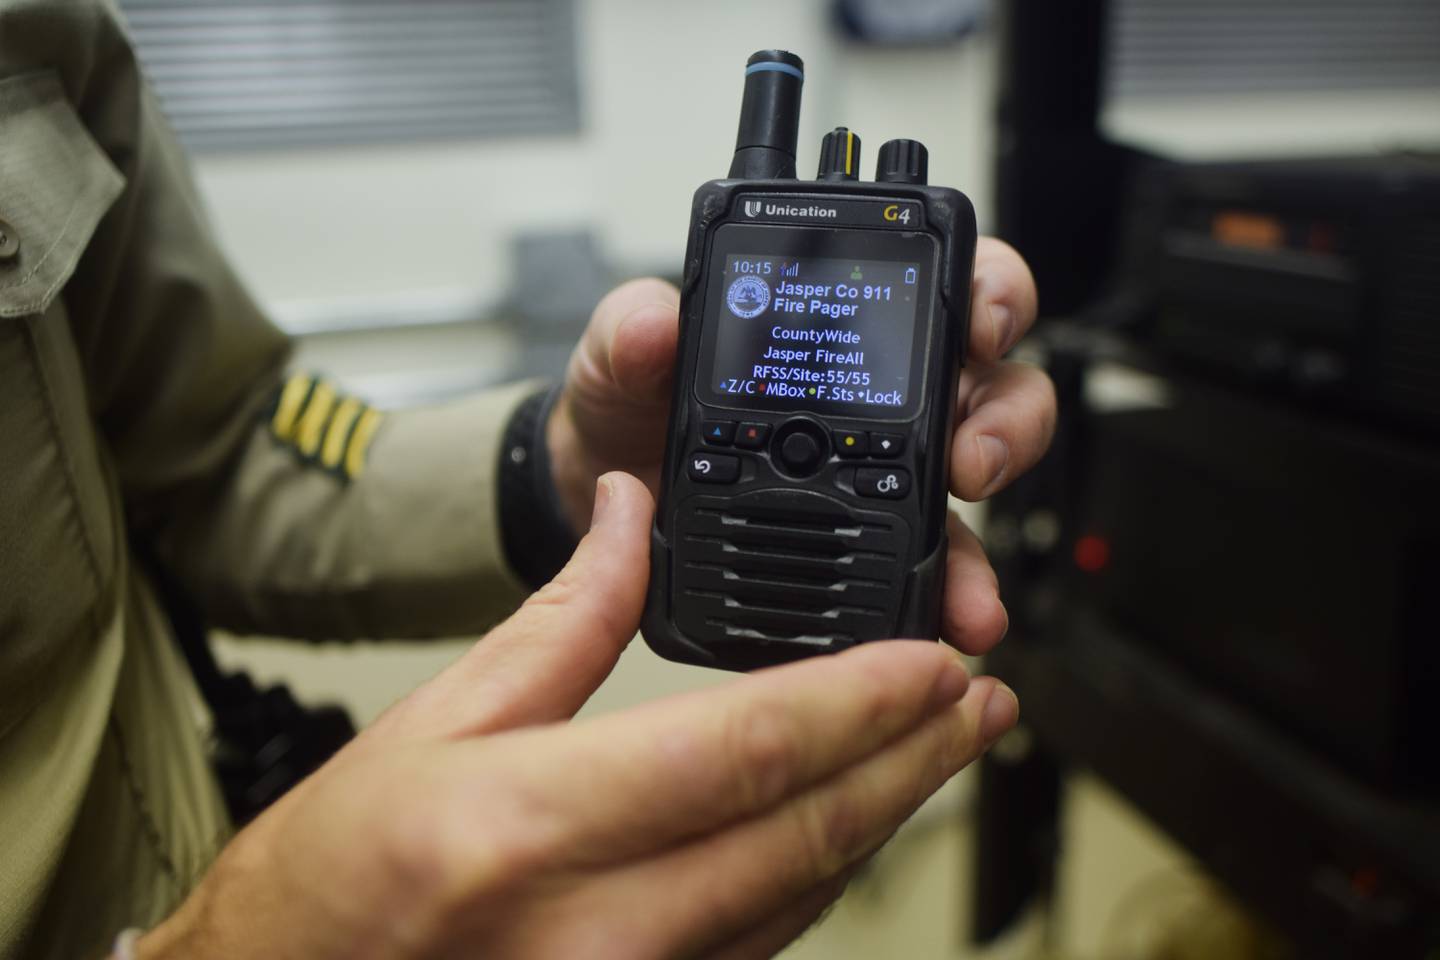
629	345
544	662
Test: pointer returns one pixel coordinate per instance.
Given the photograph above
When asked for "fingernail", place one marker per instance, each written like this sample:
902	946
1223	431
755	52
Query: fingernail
1002	325
1001	713
603	490
1005	630
994	456
950	686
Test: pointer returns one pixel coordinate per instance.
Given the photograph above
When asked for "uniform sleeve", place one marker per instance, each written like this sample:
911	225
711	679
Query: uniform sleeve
184	375
339	521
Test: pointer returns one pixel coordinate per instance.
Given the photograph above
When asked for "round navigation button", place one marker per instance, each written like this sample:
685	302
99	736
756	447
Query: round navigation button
801	448
800	451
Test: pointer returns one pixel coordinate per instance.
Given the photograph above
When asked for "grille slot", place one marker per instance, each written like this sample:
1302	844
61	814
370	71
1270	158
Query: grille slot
775	522
796	579
751	601
787	567
734	632
817	553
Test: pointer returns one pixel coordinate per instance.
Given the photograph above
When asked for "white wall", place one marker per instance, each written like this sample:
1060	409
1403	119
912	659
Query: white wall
660	84
1312	123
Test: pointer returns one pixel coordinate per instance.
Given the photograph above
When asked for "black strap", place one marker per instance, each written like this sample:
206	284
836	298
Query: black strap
538	538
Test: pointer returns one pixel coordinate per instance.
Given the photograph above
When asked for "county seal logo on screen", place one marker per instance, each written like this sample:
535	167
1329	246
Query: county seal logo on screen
748	297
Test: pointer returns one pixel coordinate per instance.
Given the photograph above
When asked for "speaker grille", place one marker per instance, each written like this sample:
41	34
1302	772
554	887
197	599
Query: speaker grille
787	566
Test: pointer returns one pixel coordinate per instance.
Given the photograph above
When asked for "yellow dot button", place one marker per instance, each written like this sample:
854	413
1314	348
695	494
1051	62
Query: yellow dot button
850	444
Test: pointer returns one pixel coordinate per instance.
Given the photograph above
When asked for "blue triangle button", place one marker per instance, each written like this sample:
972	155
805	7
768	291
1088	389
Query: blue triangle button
718	433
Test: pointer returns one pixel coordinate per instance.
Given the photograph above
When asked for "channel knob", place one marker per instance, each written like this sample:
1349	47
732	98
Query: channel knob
903	161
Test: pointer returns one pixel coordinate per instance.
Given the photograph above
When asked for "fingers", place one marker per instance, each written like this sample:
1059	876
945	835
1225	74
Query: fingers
630	341
783	927
973	619
1009	409
544	662
1003	301
817	834
1008	422
686	765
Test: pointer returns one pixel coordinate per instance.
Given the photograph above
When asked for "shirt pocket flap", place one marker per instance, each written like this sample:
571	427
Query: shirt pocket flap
55	185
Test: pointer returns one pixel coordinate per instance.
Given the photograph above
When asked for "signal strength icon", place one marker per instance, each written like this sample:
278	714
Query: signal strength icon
792	270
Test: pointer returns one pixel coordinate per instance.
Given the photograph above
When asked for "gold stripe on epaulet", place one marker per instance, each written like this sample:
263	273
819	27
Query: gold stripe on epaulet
332	451
360	439
312	422
322	426
287	408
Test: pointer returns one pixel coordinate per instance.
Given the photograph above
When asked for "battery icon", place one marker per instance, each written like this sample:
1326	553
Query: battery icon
909	274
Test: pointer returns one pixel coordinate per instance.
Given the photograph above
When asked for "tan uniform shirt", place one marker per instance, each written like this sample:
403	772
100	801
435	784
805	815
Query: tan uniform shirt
137	389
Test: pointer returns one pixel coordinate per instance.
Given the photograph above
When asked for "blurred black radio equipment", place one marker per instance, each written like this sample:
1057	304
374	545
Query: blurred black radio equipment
1317	279
1254	546
1224	580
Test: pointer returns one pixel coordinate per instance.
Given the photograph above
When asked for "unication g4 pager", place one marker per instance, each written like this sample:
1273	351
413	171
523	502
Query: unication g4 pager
822	330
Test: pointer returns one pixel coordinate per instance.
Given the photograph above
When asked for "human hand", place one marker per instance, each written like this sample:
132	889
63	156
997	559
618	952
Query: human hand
613	411
471	820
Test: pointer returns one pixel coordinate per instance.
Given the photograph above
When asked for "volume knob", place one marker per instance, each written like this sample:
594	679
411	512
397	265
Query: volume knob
839	156
903	161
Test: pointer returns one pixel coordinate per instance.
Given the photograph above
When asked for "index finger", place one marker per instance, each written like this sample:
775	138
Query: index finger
686	765
1003	301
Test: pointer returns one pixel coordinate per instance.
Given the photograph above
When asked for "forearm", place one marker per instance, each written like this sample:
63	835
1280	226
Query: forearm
408	544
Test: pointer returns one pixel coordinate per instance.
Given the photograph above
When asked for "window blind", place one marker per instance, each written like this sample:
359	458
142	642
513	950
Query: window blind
1169	47
241	75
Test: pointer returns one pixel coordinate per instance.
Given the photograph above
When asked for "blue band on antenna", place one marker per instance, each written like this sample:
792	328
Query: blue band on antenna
795	72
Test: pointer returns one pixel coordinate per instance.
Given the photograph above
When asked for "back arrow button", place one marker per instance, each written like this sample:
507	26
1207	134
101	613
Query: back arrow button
706	467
